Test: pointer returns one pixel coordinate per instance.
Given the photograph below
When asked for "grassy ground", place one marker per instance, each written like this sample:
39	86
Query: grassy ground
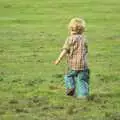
32	33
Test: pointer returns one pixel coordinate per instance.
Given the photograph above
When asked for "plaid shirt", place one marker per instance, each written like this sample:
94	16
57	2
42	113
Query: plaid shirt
76	52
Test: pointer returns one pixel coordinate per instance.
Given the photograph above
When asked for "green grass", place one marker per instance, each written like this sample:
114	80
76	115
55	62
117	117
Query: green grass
32	33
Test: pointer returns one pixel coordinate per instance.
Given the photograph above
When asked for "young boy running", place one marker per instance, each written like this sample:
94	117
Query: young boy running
75	48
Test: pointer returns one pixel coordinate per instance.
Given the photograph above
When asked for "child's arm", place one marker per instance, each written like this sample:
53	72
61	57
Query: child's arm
65	50
62	54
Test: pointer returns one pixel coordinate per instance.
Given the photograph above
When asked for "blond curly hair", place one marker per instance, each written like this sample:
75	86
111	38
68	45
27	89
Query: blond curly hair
76	26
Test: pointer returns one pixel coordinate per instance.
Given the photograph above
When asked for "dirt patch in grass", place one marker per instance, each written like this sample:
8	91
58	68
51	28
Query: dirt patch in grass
35	82
116	37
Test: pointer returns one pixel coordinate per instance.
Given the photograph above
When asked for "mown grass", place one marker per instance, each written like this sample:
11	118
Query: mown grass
32	33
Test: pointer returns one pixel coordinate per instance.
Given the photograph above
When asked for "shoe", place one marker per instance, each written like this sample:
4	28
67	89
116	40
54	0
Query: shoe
70	92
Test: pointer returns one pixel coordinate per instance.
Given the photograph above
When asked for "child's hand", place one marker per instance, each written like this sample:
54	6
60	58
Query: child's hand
62	54
56	62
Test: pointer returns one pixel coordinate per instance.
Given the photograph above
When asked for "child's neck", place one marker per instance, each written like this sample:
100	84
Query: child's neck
73	33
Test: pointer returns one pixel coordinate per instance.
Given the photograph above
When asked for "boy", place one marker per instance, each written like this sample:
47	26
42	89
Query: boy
75	48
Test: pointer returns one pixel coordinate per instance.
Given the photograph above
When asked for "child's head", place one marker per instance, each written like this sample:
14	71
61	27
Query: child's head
76	26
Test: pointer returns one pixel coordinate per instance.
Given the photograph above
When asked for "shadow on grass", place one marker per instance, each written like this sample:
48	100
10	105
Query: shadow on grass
101	96
106	78
112	116
115	37
58	75
109	94
35	82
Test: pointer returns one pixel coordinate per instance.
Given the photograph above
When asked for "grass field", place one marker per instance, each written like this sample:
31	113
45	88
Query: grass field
32	33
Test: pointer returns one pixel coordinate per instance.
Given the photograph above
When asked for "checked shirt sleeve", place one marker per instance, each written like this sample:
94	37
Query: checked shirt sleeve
68	43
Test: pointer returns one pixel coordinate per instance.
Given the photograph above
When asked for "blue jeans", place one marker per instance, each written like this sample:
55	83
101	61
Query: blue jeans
77	83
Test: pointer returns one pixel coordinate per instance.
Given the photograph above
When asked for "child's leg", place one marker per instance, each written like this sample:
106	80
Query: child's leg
82	83
70	82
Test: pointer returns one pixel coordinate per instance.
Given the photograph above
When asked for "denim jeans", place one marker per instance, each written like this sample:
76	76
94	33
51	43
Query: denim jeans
77	83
